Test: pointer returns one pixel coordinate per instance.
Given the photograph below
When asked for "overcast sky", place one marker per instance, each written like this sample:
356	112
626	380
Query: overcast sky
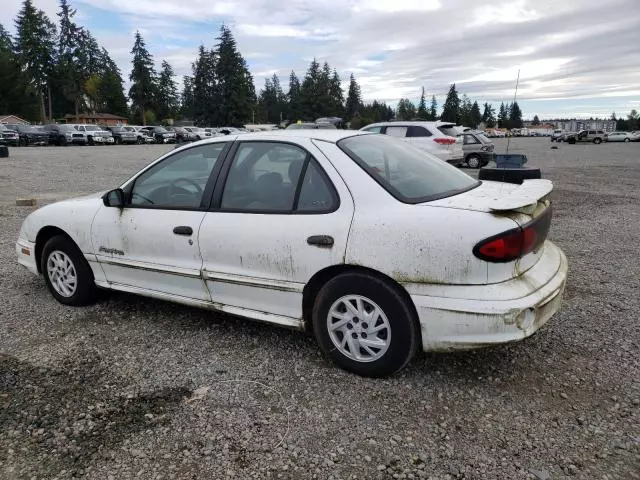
576	57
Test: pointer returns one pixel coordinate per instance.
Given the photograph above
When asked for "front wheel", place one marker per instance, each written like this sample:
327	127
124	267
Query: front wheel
364	325
597	141
627	140
67	273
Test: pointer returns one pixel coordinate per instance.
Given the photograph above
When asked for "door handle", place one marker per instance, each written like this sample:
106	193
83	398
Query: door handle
320	240
183	230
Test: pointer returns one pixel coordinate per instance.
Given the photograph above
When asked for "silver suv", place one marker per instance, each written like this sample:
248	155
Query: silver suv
591	136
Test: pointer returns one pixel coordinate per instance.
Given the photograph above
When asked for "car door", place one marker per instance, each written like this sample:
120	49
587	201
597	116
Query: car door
152	243
281	213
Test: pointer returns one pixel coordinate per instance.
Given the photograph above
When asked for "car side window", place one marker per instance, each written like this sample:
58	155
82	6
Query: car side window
416	131
374	129
179	180
316	194
470	140
398	131
263	177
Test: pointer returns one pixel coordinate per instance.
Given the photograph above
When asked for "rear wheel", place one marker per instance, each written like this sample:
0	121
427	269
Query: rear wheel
90	141
474	160
627	140
118	141
597	140
67	273
364	325
140	141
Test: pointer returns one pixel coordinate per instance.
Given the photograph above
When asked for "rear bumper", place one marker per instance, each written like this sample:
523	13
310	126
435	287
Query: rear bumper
465	317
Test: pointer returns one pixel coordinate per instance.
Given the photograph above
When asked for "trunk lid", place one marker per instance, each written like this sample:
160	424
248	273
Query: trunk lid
523	204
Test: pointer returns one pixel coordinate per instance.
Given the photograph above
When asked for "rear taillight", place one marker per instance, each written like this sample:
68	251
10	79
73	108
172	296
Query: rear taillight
516	243
445	140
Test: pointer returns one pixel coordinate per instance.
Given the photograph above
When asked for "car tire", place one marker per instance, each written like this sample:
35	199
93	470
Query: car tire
597	141
118	141
474	161
509	175
67	273
627	140
63	142
395	320
90	141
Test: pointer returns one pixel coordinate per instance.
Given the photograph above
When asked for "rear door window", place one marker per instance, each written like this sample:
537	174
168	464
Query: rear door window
396	131
417	131
470	140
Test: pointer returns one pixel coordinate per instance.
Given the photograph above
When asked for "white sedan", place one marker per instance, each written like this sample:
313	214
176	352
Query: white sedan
620	137
375	246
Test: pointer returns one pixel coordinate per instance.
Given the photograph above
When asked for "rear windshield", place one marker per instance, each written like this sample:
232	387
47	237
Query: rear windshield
407	173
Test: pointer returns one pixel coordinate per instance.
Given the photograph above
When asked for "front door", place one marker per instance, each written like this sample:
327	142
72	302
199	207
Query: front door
151	245
281	215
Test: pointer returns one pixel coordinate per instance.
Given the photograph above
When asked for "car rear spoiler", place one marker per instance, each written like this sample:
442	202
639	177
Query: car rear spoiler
524	198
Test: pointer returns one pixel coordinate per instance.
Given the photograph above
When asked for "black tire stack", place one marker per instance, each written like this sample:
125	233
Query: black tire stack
4	151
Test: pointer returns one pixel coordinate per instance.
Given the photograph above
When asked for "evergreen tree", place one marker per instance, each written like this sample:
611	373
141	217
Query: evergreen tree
311	94
502	116
281	97
536	120
515	116
464	112
237	96
270	103
406	110
16	94
35	48
206	95
422	113
433	109
111	89
488	115
370	113
295	112
337	96
354	100
451	107
143	80
167	102
69	77
476	116
187	98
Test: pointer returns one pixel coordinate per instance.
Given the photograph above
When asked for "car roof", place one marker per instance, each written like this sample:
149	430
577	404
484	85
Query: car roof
315	134
417	123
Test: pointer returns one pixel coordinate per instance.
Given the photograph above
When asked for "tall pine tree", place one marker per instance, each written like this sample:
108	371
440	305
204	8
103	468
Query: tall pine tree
311	92
433	109
515	116
293	96
205	102
503	116
354	99
167	101
143	80
488	115
423	113
476	116
451	107
235	83
16	94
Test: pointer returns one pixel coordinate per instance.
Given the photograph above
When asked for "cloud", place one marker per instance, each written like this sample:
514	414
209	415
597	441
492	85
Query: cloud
568	52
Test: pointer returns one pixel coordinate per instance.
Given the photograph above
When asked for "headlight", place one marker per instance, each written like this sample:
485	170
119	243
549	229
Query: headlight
485	148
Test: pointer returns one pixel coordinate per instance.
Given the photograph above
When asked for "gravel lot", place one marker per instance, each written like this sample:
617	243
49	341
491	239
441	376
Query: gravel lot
137	388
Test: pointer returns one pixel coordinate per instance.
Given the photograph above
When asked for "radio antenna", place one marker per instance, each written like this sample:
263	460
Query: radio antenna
514	101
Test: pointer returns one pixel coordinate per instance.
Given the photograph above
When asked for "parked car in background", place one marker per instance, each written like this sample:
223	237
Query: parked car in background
556	135
199	133
123	135
29	134
311	126
95	134
620	137
161	134
335	121
143	136
586	136
477	149
63	134
424	135
183	135
8	136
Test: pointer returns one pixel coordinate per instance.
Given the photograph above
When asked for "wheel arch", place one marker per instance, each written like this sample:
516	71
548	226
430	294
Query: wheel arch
43	236
320	278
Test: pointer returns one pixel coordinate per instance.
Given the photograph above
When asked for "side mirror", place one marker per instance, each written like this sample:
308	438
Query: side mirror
114	198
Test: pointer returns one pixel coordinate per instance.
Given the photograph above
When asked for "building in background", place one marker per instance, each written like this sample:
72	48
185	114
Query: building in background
13	119
577	125
97	118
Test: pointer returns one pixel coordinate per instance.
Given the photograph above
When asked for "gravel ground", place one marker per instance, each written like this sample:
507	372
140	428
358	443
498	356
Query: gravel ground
137	388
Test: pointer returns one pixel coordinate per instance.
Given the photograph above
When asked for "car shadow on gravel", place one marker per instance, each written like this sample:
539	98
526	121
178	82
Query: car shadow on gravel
63	418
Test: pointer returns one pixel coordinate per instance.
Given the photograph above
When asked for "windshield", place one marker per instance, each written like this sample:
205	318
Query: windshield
407	173
65	128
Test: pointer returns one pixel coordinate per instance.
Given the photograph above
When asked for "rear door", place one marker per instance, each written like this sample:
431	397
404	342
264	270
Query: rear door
281	213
